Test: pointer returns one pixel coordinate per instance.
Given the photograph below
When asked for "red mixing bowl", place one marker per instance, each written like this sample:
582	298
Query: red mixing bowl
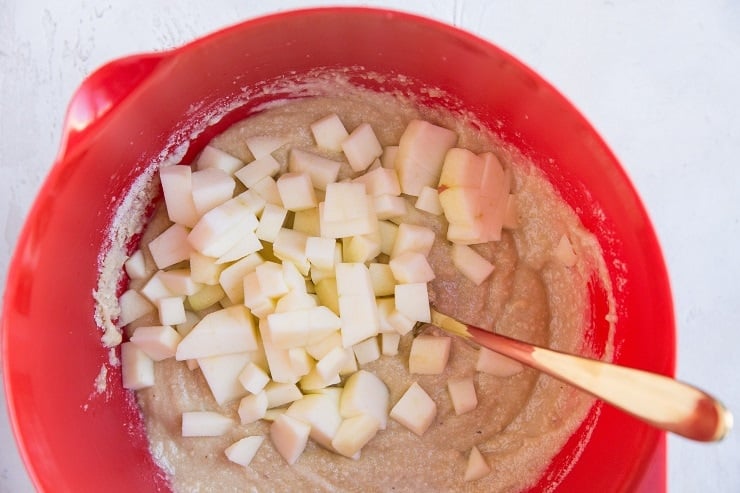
127	113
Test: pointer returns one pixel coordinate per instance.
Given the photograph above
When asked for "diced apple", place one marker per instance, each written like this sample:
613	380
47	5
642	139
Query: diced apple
389	206
386	306
191	320
461	168
290	246
461	206
180	282
388	158
222	375
564	253
362	225
221	228
363	248
293	278
511	215
252	201
345	201
262	145
429	354
313	381
411	267
212	157
365	393
331	362
211	188
252	407
253	378
414	238
321	412
470	263
154	289
204	269
247	244
272	220
329	132
367	350
205	424
295	300
400	322
382	279
135	266
302	327
413	301
320	251
389	343
243	451
326	290
321	348
361	147
133	306
137	368
259	169
353	278
278	359
354	433
380	181
177	185
206	297
421	152
359	317
300	361
415	410
462	394
271	280
170	247
296	191
255	299
171	310
289	436
428	201
388	232
229	330
497	364
267	189
321	170
307	222
466	234
477	467
158	342
280	393
232	278
272	414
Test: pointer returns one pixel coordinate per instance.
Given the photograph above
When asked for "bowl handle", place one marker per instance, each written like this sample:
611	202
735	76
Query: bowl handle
99	93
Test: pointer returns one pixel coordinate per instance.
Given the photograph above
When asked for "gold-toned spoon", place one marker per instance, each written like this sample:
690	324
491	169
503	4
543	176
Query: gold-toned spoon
655	399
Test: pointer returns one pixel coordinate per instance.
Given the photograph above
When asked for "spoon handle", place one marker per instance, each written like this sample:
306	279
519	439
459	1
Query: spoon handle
656	399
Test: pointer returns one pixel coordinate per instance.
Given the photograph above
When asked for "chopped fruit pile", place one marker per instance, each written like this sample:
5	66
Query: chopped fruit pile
280	294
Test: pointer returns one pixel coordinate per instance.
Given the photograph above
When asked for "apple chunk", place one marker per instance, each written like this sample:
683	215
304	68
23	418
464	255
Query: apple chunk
477	467
429	354
462	393
354	433
205	424
243	451
230	330
415	410
289	436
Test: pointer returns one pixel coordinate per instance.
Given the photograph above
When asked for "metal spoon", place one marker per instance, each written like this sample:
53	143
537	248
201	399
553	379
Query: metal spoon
655	399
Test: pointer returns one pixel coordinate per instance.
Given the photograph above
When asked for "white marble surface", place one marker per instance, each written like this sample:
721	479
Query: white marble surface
658	79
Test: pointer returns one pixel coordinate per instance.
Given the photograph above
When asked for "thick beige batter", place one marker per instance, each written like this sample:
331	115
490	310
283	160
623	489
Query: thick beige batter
520	423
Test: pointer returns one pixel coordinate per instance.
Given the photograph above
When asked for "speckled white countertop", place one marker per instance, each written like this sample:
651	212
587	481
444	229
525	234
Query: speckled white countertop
660	80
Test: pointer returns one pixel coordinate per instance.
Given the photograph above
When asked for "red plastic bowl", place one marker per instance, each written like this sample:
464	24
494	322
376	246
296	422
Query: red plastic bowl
126	113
